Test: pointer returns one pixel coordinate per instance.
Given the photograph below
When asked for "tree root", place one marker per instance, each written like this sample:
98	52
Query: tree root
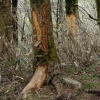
94	92
77	84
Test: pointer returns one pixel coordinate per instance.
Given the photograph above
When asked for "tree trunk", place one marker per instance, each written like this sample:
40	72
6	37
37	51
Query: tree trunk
14	20
44	48
2	34
71	13
98	11
5	24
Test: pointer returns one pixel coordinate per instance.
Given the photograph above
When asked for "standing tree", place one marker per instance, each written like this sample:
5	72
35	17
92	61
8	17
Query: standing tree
43	43
2	33
6	28
98	11
14	20
71	12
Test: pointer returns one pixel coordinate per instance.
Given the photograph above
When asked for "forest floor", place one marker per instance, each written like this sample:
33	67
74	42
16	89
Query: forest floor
15	73
89	77
12	85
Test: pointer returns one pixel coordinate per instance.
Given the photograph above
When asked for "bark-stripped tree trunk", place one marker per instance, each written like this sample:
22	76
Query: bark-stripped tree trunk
98	11
44	49
71	13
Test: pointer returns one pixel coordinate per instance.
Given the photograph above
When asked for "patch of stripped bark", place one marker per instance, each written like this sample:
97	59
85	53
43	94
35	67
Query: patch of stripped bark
37	80
36	26
71	24
40	27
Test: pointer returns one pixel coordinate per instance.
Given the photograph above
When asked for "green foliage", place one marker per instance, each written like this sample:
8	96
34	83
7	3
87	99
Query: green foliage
37	96
71	70
87	85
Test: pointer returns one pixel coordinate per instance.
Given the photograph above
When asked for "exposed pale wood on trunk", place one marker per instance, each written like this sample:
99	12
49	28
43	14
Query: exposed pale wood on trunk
71	24
36	25
37	80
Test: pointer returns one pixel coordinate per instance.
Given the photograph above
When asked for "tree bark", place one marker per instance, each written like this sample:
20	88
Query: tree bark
2	34
14	21
5	25
43	43
98	11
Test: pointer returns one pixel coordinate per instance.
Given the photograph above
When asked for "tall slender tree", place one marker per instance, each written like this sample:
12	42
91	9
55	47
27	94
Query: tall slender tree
2	33
6	28
98	11
43	43
14	20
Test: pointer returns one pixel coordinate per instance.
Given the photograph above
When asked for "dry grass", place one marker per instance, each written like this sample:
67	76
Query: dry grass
81	65
15	72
